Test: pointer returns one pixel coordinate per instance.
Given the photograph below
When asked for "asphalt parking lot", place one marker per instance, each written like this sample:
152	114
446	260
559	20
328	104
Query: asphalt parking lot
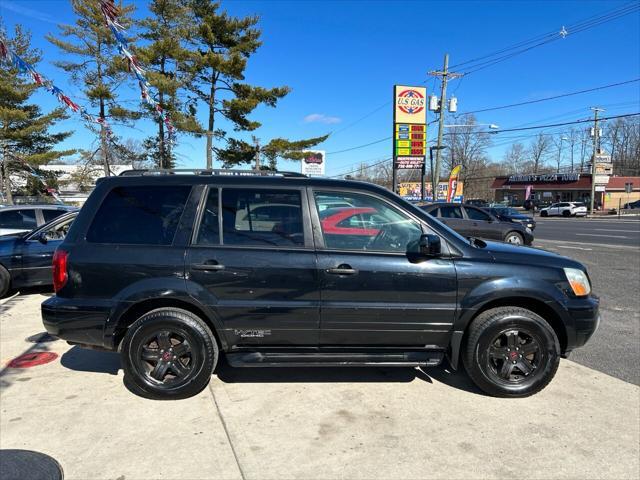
336	423
614	267
308	423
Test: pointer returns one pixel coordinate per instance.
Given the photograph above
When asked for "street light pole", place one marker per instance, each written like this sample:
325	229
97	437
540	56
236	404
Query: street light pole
596	147
560	152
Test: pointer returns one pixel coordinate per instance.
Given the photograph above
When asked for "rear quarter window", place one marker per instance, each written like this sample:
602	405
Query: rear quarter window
139	215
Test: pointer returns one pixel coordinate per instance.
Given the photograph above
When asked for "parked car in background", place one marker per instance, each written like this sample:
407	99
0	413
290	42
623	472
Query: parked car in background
476	222
632	205
24	218
26	258
565	209
512	215
477	202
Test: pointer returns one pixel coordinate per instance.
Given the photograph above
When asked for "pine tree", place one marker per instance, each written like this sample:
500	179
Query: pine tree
167	31
99	68
25	139
224	45
239	152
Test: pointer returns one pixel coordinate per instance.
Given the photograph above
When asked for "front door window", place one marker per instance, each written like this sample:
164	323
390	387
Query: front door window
351	221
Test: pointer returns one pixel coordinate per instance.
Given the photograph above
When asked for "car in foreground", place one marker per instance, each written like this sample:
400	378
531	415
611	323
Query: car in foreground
26	258
24	218
512	215
565	209
476	222
157	267
632	205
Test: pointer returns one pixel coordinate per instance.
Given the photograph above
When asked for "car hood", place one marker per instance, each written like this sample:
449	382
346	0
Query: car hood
505	252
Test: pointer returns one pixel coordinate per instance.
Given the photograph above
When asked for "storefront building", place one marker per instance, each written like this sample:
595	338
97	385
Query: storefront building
563	187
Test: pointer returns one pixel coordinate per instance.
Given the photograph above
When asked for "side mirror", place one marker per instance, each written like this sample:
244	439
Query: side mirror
42	238
430	245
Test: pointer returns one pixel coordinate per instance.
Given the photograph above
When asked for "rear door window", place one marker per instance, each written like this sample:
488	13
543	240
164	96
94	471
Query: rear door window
268	217
474	214
51	214
450	211
139	215
23	219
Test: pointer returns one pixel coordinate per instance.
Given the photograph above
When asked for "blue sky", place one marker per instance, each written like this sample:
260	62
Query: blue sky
342	58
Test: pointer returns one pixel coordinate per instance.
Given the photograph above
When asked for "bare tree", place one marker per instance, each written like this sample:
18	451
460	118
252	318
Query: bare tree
538	151
467	146
515	159
621	138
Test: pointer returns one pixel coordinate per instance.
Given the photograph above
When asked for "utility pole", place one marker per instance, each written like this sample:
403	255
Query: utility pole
446	75
256	141
596	150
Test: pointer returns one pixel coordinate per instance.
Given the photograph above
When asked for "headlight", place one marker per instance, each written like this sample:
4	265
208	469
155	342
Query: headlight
578	281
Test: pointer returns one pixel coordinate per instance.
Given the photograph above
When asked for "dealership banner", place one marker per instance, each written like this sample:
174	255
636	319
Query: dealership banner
313	162
453	182
411	191
409	127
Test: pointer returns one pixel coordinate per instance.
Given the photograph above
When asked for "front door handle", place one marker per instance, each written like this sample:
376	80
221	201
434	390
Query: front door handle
343	269
208	266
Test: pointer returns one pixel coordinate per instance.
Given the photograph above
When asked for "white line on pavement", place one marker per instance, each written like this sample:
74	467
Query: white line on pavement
575	248
587	244
612	230
598	235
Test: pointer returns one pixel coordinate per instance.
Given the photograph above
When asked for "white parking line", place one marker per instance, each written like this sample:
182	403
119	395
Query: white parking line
598	235
575	248
539	241
612	230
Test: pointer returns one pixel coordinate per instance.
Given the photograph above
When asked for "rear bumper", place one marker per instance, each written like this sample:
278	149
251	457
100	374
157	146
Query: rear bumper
75	321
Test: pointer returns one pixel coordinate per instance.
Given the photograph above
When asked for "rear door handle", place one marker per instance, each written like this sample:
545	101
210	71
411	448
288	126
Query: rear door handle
208	266
343	269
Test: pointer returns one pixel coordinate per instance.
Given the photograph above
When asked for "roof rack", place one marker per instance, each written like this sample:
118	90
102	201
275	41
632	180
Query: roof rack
218	171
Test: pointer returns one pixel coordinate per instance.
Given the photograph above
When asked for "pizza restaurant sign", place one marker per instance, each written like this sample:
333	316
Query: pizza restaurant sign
547	177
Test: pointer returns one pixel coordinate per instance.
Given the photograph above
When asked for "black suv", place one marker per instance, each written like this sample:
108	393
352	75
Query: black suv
174	270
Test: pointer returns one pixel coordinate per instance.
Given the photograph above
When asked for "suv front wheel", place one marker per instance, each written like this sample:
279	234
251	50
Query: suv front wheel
168	353
511	352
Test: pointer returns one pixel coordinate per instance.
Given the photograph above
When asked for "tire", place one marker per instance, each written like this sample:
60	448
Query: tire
544	213
514	238
489	353
5	281
566	213
164	373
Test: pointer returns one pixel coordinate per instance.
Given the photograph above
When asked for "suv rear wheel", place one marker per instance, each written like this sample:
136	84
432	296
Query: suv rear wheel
566	213
5	281
511	352
168	353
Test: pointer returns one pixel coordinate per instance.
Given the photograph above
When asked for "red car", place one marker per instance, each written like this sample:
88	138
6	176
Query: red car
349	221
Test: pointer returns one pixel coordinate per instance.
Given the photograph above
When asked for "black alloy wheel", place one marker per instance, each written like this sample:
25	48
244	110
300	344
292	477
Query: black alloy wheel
166	357
511	352
5	281
513	355
168	353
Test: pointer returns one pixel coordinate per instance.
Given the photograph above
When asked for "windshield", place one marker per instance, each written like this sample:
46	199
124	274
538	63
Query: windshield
507	211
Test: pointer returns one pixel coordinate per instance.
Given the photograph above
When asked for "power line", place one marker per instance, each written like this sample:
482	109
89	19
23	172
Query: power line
569	94
539	40
359	146
363	168
562	124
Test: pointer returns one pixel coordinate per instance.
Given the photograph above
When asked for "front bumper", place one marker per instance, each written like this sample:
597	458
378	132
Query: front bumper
585	316
75	320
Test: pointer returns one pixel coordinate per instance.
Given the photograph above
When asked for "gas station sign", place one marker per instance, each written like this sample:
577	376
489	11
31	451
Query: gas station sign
410	129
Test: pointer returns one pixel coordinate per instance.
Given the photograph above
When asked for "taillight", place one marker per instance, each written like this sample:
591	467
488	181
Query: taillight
59	269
